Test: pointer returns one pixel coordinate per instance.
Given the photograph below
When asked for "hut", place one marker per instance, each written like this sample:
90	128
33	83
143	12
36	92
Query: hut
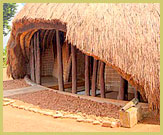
117	37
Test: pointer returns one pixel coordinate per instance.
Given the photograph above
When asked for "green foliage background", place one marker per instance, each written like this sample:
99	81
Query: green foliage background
5	57
9	10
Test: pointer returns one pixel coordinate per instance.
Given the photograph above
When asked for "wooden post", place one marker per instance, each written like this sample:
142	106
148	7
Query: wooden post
38	67
35	55
69	62
87	86
44	42
32	62
60	63
102	79
137	94
123	91
68	69
94	78
74	70
91	59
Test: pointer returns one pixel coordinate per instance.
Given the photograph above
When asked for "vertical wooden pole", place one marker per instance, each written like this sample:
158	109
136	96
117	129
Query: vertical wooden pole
102	79
74	70
60	63
123	91
136	94
35	55
32	62
91	66
68	69
38	73
126	90
94	78
69	63
87	86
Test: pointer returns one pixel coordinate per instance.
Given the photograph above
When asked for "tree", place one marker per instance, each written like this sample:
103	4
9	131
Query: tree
9	10
5	57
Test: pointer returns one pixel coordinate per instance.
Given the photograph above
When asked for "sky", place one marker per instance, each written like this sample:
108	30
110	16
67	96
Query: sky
5	38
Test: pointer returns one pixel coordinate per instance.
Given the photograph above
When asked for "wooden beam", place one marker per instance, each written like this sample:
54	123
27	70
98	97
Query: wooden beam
35	48
32	60
94	78
49	38
31	26
35	53
37	63
44	42
60	63
74	69
54	45
91	59
69	62
68	85
123	91
102	79
136	94
68	49
87	85
68	69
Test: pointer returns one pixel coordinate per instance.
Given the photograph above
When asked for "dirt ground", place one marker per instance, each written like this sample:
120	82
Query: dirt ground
16	120
5	77
14	84
9	83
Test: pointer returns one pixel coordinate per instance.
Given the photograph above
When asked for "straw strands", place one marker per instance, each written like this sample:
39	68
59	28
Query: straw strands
124	36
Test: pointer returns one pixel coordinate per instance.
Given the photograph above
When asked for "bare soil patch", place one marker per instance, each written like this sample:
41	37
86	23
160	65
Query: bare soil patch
19	120
5	77
48	99
14	84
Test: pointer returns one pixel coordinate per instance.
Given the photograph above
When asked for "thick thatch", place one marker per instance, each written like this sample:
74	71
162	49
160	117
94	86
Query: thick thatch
125	36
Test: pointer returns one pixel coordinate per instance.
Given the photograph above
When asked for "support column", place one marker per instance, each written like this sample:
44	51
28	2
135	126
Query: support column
74	70
37	60
35	56
123	91
102	79
32	61
87	86
68	69
60	63
68	63
91	59
94	78
136	94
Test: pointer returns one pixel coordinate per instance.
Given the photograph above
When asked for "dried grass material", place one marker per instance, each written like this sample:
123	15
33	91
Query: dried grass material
125	36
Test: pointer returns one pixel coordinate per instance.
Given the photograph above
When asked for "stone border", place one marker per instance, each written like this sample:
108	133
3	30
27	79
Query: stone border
23	90
79	117
104	123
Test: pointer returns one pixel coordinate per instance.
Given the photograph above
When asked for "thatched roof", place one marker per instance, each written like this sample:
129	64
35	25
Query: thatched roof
125	36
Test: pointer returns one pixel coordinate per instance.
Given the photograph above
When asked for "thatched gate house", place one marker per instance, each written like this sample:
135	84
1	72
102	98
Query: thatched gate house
70	41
